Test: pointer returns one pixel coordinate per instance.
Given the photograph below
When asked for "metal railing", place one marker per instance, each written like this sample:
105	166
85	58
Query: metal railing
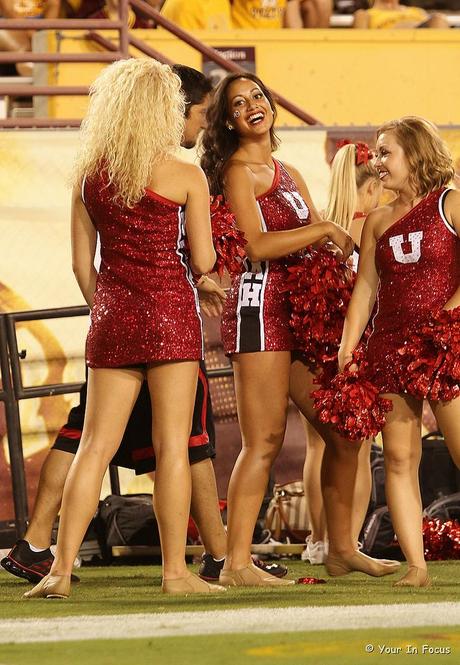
113	52
13	432
13	391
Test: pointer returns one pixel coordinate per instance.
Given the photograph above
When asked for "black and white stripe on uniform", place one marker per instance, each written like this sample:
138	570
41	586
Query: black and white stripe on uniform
250	332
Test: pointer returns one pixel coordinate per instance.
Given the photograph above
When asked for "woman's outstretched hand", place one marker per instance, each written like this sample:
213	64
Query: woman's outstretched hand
342	240
212	296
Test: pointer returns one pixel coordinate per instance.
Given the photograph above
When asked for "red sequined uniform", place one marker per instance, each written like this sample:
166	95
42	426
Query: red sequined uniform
145	305
418	261
256	314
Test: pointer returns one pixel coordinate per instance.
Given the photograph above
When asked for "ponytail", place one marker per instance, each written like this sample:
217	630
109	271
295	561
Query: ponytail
343	191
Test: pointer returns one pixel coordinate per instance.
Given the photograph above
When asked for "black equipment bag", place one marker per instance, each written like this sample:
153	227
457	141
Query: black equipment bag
378	497
446	508
378	536
126	520
438	474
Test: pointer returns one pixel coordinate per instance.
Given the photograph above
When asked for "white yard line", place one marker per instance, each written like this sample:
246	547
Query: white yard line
253	620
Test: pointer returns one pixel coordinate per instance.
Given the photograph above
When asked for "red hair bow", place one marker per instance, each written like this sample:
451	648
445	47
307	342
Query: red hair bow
363	153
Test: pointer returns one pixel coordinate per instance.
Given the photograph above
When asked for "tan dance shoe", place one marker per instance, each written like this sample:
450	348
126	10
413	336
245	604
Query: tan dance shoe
188	585
415	577
359	563
51	586
251	575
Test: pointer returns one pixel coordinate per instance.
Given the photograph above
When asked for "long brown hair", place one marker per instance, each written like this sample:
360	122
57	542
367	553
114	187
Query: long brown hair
219	142
429	160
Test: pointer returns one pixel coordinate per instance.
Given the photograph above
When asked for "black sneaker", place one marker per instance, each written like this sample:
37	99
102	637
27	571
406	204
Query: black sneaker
210	568
32	566
275	569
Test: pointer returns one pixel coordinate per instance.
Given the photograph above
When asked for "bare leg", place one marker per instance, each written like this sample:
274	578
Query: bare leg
49	496
312	483
205	509
261	384
316	13
309	14
323	12
363	488
437	21
340	461
111	397
402	452
172	392
20	41
448	416
338	476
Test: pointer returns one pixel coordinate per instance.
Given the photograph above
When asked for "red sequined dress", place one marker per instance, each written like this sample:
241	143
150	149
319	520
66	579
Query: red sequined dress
145	305
418	261
256	314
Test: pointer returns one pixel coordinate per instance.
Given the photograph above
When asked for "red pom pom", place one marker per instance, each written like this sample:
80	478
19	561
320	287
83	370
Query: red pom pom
319	288
310	580
441	539
228	240
352	405
429	362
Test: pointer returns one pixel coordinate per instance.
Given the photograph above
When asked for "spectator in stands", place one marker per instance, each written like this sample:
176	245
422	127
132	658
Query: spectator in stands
273	14
198	14
390	14
314	13
109	9
21	40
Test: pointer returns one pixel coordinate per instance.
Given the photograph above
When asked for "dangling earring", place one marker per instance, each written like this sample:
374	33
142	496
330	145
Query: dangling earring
229	126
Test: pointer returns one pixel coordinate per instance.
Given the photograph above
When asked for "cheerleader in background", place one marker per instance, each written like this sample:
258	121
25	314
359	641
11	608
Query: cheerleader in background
410	263
354	191
274	209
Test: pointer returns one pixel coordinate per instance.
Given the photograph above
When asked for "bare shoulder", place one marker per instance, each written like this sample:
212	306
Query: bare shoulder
452	208
452	201
238	172
377	220
185	168
237	166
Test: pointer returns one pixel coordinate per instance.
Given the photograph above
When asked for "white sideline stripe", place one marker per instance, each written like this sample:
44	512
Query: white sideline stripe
252	620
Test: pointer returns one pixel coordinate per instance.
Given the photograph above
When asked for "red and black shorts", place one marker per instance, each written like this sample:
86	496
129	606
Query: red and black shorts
136	449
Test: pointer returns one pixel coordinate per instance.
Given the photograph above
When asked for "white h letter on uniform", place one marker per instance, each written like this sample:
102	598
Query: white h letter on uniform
251	292
415	240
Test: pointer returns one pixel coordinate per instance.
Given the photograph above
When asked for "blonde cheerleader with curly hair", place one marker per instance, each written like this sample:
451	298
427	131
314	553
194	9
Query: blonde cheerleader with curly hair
132	191
410	265
354	191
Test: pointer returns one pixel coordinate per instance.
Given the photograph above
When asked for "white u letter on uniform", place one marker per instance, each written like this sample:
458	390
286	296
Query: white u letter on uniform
415	240
297	203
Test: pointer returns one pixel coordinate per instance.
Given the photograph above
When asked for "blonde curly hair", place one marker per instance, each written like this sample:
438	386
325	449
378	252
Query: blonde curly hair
135	120
430	162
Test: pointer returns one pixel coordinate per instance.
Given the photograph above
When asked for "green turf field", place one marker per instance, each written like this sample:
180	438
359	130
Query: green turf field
324	648
136	589
128	589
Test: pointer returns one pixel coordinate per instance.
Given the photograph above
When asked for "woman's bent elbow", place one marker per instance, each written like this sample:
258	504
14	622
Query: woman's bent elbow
253	255
203	264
